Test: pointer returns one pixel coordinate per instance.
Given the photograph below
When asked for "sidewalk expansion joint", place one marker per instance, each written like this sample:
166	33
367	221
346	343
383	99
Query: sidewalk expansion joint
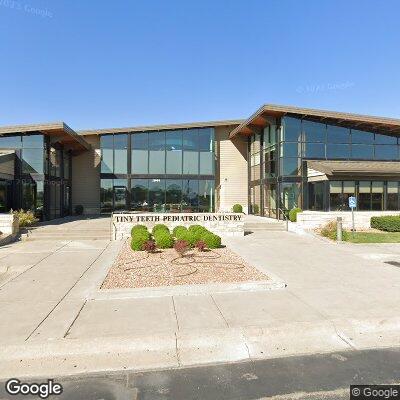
178	358
219	310
73	322
66	294
33	266
176	314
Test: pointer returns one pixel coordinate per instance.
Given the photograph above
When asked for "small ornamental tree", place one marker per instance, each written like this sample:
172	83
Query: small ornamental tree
201	245
149	246
181	247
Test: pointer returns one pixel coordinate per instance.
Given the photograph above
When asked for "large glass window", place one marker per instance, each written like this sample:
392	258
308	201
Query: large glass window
106	195
362	137
120	194
316	196
386	152
335	195
190	195
140	153
290	195
314	131
190	152
338	134
385	139
32	161
173	195
338	151
157	195
290	166
120	154
349	190
140	194
10	142
174	152
206	195
362	152
107	154
291	129
392	196
364	195
314	150
157	153
167	156
377	196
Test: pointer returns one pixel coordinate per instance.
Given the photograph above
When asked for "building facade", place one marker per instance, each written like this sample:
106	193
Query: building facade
279	158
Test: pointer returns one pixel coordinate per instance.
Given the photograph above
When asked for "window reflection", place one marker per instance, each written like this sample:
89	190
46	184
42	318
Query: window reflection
157	195
173	195
140	194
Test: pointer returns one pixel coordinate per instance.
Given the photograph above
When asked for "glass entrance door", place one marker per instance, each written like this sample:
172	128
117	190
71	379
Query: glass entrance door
120	198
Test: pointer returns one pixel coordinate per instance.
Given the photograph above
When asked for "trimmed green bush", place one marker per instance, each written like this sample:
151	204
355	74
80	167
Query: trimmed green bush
197	231
256	209
237	208
138	228
164	240
212	241
177	229
388	223
293	214
186	235
139	238
160	227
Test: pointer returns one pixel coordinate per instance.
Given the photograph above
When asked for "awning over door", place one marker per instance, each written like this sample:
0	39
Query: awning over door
356	168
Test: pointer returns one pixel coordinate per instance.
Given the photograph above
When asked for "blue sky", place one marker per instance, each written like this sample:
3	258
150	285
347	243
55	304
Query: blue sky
99	64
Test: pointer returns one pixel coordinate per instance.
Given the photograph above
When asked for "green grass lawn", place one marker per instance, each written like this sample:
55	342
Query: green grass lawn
373	237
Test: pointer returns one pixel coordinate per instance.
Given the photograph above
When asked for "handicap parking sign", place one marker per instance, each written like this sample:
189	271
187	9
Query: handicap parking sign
352	202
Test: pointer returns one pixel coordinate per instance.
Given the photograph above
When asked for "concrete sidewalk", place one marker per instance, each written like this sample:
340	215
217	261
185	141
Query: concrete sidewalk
339	297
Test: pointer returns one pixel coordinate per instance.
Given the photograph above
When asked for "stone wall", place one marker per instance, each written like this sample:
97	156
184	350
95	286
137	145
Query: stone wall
223	224
8	224
362	219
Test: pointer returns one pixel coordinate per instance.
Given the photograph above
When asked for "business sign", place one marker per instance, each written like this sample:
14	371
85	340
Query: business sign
352	202
229	224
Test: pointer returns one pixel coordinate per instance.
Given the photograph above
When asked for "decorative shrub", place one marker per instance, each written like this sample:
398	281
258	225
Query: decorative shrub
177	229
237	208
197	231
160	227
138	228
138	240
26	218
256	209
190	237
149	246
212	241
388	223
181	247
78	209
164	240
329	230
293	214
201	245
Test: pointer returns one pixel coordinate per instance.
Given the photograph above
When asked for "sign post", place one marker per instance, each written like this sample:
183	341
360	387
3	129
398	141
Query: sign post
352	205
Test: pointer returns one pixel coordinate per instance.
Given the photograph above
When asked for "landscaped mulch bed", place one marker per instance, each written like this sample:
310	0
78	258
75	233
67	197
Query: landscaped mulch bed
138	269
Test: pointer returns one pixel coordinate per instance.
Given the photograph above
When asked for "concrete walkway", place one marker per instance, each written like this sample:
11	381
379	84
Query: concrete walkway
338	297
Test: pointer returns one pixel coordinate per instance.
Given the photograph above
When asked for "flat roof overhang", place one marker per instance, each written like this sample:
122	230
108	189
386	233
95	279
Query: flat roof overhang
356	121
353	169
59	131
150	128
